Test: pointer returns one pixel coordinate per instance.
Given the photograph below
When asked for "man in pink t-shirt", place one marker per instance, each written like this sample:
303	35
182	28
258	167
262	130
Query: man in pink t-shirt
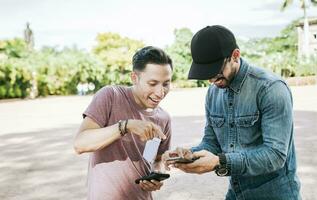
117	124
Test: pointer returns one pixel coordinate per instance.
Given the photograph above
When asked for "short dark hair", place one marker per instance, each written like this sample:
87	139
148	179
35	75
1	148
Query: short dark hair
150	55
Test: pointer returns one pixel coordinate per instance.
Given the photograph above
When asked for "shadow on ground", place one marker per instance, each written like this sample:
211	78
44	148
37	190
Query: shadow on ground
43	165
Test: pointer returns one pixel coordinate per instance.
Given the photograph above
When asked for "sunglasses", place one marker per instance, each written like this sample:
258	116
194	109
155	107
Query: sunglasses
220	74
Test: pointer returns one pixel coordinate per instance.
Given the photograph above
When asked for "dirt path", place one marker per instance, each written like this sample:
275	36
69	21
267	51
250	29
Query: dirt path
38	162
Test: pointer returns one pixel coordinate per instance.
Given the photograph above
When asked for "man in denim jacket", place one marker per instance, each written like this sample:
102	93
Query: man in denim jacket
249	122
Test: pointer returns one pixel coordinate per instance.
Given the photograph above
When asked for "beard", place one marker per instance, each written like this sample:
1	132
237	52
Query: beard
224	82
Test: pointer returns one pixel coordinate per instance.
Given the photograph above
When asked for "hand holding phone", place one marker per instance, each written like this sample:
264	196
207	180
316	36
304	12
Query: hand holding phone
181	160
180	157
153	176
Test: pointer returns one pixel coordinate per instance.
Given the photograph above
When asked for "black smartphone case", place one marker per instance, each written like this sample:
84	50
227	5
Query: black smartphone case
182	160
153	176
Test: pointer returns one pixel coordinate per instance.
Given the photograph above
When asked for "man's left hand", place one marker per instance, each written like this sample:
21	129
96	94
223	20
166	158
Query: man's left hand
150	185
207	162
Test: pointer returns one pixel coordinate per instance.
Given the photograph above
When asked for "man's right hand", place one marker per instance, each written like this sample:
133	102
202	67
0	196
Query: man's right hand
145	130
178	152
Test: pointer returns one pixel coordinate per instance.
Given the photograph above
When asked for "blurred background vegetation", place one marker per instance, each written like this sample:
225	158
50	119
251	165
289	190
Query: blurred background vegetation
49	71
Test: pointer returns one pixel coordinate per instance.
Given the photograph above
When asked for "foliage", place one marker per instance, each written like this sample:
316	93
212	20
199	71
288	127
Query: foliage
14	79
279	54
116	53
16	48
180	53
59	72
303	4
54	72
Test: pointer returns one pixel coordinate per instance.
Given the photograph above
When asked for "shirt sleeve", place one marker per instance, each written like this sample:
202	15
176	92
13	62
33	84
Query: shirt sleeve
275	104
99	108
209	141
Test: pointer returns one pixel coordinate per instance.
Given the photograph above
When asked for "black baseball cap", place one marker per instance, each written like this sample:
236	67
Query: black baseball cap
209	47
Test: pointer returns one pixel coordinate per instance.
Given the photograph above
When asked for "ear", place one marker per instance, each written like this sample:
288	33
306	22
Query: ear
134	77
236	55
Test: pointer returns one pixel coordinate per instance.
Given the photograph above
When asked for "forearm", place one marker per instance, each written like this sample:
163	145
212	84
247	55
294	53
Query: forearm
208	147
255	162
95	139
209	142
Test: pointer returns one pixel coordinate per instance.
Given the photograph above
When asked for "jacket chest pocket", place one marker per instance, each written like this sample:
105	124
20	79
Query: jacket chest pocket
217	124
248	129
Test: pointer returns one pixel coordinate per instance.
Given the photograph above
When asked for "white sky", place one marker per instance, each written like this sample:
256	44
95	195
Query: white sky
61	23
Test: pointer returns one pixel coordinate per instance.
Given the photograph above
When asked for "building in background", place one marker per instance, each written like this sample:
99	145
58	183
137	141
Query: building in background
312	38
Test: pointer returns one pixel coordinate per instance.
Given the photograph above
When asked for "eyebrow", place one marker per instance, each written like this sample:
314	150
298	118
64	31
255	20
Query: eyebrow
156	81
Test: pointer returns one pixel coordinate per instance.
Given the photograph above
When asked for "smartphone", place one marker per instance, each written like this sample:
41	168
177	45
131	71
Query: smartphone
181	160
153	176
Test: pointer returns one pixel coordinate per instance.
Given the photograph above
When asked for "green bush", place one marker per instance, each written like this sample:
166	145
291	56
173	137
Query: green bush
307	67
15	79
55	73
279	54
59	72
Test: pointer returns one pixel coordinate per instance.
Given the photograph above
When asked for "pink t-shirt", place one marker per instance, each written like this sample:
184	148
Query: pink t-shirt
113	170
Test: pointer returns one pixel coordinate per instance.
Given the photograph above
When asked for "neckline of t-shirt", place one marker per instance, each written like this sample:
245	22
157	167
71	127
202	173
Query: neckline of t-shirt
138	107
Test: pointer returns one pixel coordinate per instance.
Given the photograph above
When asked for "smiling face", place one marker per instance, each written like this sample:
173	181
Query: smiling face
151	85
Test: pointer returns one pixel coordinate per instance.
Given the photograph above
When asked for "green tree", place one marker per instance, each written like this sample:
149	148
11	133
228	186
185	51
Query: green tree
279	54
116	53
179	51
16	48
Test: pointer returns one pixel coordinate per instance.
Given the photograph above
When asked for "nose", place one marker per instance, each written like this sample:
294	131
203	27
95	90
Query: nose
160	92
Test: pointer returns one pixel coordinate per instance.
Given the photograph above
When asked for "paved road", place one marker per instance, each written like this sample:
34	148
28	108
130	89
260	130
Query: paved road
38	162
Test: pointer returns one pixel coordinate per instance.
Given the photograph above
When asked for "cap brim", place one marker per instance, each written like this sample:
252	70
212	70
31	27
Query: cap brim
205	71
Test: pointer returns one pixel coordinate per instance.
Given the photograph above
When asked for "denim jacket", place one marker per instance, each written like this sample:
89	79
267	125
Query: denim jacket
251	121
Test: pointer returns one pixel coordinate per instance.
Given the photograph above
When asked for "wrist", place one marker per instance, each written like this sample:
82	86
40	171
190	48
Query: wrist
222	168
129	125
217	160
122	127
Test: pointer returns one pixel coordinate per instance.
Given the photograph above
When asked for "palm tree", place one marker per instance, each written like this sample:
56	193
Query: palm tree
304	6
